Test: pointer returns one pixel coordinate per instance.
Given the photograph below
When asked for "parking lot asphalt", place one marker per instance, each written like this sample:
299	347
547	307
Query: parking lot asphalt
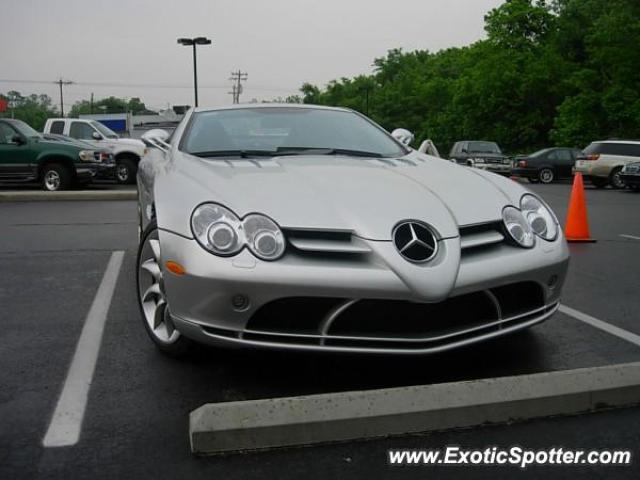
53	256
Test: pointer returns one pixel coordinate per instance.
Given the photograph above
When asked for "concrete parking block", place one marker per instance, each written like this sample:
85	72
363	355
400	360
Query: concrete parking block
279	422
42	196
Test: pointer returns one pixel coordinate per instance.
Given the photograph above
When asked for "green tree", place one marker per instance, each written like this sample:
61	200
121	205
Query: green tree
33	109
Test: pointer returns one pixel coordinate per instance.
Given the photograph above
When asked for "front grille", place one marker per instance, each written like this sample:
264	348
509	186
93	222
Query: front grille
480	235
325	242
392	324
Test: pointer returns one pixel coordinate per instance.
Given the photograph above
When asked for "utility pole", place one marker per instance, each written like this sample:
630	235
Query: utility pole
233	93
238	77
60	83
91	103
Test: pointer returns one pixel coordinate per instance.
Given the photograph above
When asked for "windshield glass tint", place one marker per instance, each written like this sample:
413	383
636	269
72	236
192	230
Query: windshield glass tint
483	147
272	128
25	129
107	132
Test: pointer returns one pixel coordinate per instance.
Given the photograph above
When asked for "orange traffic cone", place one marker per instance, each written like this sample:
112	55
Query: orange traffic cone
577	226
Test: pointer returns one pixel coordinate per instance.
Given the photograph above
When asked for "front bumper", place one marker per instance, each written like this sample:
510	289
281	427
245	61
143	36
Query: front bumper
631	180
202	300
500	168
525	172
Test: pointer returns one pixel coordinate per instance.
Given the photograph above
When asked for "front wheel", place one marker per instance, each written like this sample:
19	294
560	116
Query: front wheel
152	300
56	177
126	170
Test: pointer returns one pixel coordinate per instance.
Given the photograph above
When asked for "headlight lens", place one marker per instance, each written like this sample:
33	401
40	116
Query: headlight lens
86	155
543	222
217	229
221	232
263	237
518	227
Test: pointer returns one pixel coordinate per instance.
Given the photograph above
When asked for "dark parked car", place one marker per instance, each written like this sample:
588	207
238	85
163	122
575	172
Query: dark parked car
546	165
481	154
26	156
630	175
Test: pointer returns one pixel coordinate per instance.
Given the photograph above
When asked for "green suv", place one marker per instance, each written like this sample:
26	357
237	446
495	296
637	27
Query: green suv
26	156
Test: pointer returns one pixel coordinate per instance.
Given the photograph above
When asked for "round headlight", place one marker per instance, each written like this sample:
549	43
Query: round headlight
518	227
542	220
263	236
217	229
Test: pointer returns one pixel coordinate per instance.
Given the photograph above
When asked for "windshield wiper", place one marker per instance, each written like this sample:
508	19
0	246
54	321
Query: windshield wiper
282	151
326	151
236	153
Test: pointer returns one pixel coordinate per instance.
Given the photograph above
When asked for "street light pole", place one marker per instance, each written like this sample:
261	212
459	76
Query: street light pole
194	42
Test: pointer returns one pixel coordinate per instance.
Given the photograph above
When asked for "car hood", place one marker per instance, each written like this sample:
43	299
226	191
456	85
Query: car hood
365	195
128	141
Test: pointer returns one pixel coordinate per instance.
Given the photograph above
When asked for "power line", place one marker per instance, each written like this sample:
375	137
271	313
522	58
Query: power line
258	87
238	77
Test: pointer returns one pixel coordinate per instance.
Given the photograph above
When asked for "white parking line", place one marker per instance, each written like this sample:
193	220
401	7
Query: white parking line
607	327
66	423
632	237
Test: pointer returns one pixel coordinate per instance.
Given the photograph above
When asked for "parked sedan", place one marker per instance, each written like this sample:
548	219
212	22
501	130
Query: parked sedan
546	165
312	228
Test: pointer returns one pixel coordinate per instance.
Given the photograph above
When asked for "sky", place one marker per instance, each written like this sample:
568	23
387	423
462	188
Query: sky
128	48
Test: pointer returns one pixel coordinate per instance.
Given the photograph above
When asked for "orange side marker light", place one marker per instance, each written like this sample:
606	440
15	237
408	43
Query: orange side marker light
175	268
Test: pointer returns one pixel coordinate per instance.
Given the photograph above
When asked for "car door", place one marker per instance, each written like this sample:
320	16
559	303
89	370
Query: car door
83	131
14	156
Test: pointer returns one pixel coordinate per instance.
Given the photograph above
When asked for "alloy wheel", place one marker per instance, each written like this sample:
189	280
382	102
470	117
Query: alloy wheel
122	172
52	180
152	295
546	175
616	180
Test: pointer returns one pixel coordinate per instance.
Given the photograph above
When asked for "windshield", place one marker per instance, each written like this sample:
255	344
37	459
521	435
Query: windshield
25	129
107	132
484	147
271	130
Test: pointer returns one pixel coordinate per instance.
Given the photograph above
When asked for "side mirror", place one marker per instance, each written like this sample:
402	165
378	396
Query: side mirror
156	138
96	136
464	150
403	135
18	140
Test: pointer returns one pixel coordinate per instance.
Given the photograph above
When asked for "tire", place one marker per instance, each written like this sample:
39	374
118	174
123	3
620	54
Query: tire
614	179
153	304
126	170
599	182
546	175
56	177
533	180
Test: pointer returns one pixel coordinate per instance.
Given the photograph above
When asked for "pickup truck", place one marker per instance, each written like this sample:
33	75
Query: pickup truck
127	151
26	156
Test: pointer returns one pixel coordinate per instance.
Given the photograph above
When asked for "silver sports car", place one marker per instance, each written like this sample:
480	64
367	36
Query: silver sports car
312	228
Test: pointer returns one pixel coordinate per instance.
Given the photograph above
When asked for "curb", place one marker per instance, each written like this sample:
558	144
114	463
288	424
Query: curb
279	422
41	196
